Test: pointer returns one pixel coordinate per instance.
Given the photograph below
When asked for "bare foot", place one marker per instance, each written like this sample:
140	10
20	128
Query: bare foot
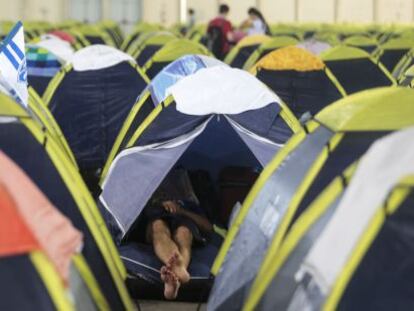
177	267
171	283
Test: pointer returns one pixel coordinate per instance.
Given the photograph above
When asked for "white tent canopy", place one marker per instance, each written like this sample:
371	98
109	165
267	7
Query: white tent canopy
97	57
60	48
221	90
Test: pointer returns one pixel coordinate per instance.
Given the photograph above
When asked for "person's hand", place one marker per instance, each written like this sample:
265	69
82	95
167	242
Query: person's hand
171	207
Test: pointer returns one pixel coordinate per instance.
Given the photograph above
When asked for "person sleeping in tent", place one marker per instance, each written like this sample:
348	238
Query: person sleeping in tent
173	222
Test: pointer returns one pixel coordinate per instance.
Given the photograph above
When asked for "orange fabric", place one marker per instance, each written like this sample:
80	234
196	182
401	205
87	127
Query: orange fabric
291	58
15	237
53	231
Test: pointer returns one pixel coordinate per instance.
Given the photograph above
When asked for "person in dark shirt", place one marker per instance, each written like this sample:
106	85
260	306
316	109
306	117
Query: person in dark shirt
175	222
224	25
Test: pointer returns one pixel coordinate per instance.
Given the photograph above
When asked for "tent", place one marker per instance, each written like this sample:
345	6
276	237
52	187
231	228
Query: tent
91	97
407	78
355	69
405	62
39	264
301	79
150	44
44	60
314	46
391	52
197	33
154	94
95	35
244	48
217	117
361	42
113	29
137	32
80	39
267	47
332	141
43	116
170	52
38	155
381	188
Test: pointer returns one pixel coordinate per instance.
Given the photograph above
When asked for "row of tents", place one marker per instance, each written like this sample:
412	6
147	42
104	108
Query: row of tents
326	224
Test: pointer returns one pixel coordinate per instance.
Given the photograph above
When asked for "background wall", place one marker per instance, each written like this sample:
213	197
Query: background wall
168	11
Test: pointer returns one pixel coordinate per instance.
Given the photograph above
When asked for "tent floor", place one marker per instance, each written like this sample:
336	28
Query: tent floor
157	305
195	291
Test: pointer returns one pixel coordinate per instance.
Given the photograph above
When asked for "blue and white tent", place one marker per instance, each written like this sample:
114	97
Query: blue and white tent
155	93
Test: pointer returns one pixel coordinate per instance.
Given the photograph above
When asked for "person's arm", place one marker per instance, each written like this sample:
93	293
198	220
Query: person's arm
202	222
246	24
228	31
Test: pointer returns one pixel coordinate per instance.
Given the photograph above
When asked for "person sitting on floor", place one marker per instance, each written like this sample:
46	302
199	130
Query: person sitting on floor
174	223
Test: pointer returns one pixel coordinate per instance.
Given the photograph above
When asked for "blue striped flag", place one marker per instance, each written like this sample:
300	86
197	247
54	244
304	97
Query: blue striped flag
13	68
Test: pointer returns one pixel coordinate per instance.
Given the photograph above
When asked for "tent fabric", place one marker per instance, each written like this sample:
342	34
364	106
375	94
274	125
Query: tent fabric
173	138
314	46
407	77
392	51
42	66
345	114
355	70
144	160
307	178
23	287
90	106
290	58
244	48
59	239
237	90
57	179
61	48
177	48
174	72
40	62
63	35
373	180
255	234
154	94
404	64
303	92
15	237
268	47
367	44
171	51
150	44
97	57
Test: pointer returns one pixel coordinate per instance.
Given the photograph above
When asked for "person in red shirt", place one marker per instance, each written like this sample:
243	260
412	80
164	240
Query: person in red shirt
220	33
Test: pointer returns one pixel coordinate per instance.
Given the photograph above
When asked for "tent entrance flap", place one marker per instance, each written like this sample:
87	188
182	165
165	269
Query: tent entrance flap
139	171
212	146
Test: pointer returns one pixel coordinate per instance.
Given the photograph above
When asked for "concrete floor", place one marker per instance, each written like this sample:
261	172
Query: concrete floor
157	305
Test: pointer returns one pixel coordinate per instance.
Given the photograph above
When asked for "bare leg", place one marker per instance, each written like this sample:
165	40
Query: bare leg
160	236
184	239
165	249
